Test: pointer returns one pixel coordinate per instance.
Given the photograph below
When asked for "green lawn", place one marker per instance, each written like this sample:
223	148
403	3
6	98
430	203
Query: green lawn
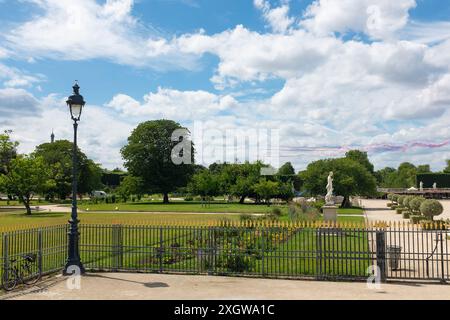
183	206
354	210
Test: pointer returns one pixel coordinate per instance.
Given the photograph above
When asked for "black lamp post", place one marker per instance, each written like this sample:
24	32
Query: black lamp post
75	103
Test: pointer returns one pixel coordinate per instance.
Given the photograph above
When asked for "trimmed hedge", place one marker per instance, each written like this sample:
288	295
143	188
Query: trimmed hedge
406	214
416	219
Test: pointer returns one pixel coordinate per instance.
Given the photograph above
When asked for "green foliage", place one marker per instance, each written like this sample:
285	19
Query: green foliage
27	175
406	201
360	157
400	200
350	178
390	196
401	210
266	189
148	155
414	203
8	151
447	169
57	157
406	214
129	186
303	211
431	208
415	219
205	183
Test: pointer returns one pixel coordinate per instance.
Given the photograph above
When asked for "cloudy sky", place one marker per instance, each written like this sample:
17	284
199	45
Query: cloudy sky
329	75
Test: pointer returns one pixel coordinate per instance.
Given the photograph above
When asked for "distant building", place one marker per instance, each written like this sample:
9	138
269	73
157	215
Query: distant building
52	137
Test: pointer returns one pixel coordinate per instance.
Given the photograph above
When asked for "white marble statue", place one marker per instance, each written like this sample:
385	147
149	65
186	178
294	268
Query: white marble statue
435	185
329	196
421	186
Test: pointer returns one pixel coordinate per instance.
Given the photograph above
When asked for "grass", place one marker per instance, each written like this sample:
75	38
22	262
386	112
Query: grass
18	218
182	206
14	203
354	210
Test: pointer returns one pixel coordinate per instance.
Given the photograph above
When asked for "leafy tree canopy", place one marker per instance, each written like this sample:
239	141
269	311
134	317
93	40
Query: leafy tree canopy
148	156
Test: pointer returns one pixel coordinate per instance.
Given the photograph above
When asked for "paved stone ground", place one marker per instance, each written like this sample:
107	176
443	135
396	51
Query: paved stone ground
166	287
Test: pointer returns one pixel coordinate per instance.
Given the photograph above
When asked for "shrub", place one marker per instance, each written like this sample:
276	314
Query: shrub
276	212
395	206
395	197
389	204
406	214
431	208
415	219
400	200
189	198
415	203
390	196
400	210
406	201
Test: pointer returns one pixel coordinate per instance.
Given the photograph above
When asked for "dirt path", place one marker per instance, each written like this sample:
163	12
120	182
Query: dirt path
166	287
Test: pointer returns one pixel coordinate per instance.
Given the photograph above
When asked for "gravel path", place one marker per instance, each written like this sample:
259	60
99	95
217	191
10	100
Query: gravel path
167	287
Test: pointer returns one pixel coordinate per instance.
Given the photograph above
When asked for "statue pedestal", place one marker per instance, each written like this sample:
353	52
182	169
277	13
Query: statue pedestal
329	213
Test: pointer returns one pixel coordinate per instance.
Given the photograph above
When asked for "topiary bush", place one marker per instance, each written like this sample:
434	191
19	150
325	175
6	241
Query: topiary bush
431	208
400	200
406	201
415	219
400	210
406	214
414	204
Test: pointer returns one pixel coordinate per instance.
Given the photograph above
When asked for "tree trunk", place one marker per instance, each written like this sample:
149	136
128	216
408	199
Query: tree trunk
165	197
241	201
26	202
346	202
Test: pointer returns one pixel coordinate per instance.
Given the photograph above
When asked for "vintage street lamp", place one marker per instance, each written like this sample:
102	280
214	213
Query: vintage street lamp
75	103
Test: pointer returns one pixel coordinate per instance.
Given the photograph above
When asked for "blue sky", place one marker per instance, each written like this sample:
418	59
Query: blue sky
327	75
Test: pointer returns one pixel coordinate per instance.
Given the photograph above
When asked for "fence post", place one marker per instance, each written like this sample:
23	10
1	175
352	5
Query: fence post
381	254
318	253
117	246
443	280
5	257
161	250
40	254
263	248
211	265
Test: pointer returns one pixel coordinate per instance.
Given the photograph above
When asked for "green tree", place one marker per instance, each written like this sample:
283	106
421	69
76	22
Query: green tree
27	176
148	155
286	169
360	157
205	184
350	178
130	186
447	169
406	175
58	158
423	168
8	151
266	189
386	177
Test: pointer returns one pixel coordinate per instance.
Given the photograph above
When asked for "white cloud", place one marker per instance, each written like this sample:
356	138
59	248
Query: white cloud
278	18
173	104
379	19
79	30
14	77
16	103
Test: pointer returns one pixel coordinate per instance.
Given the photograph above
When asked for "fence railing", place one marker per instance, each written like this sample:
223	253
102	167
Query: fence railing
287	250
49	244
300	250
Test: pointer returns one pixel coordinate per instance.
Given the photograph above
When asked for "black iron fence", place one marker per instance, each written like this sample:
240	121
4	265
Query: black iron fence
48	244
269	250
